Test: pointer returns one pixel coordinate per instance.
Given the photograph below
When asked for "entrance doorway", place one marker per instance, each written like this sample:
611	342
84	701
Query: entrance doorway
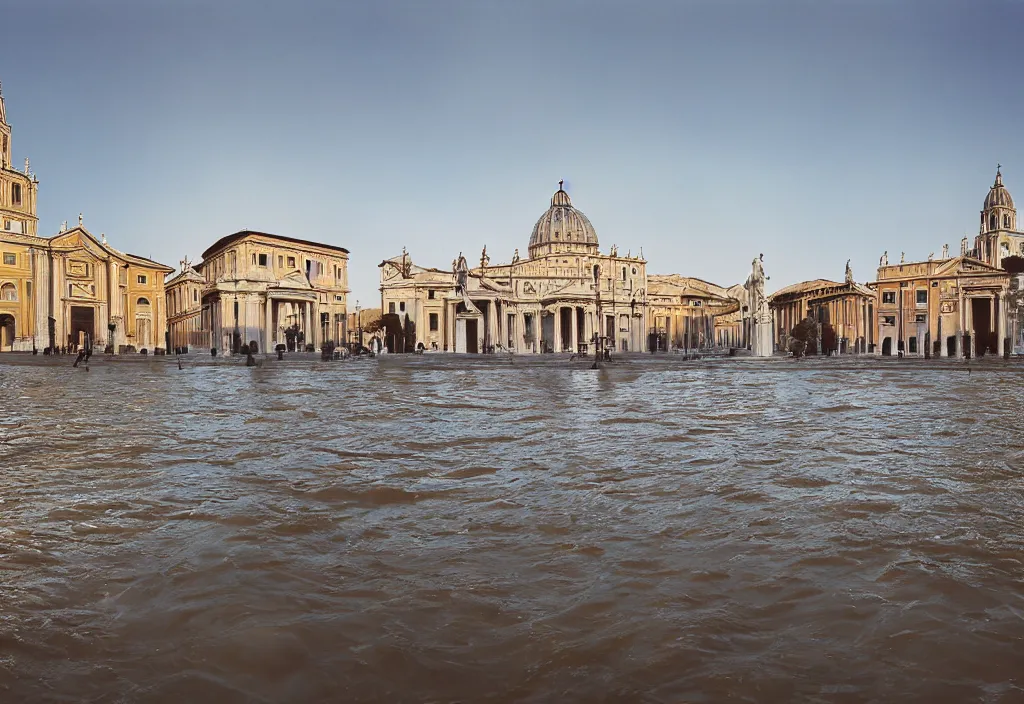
887	347
983	337
951	346
472	341
565	327
83	326
6	333
547	333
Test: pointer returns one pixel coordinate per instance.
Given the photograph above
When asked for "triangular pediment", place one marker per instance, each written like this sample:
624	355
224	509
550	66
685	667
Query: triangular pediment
966	265
294	280
80	239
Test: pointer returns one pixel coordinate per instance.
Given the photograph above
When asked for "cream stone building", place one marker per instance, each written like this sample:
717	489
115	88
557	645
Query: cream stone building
71	290
262	288
556	299
846	307
692	314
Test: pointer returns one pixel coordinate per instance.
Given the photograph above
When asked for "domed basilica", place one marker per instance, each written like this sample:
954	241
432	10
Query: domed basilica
562	297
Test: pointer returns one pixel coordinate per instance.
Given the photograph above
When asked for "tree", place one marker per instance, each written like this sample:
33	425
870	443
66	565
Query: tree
804	338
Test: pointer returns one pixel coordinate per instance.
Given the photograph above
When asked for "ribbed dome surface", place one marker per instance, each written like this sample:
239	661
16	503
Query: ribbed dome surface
998	195
563	228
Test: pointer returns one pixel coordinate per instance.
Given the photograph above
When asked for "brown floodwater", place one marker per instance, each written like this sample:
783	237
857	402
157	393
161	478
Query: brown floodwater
430	529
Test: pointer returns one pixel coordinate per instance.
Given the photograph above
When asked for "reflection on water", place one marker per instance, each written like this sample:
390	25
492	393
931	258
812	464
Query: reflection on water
433	529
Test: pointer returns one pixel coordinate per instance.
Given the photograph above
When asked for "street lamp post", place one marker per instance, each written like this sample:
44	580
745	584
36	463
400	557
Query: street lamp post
359	326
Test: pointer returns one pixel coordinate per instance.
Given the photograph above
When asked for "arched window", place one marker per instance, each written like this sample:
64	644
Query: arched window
992	221
142	302
1006	222
8	292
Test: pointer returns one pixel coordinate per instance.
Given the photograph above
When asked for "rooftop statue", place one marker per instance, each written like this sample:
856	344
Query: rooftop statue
884	259
849	272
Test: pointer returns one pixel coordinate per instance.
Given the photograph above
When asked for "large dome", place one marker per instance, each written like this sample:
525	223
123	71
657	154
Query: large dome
562	228
998	195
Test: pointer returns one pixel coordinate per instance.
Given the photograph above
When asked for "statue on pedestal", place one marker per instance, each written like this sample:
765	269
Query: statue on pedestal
762	344
849	272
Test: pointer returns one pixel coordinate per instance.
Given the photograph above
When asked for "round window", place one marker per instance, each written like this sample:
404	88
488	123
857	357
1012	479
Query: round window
634	271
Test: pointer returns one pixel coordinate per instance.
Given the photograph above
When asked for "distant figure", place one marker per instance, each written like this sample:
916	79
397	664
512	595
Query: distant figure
78	360
250	361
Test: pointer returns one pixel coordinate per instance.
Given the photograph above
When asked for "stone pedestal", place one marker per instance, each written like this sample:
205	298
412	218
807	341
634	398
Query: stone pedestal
761	340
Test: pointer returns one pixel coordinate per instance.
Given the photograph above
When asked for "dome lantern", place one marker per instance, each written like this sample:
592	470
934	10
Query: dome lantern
563	228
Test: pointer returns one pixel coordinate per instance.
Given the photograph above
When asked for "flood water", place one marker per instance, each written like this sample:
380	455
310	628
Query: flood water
433	529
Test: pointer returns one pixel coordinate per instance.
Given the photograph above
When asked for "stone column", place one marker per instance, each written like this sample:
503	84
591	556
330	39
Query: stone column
558	329
573	346
1001	326
268	335
314	311
992	327
962	315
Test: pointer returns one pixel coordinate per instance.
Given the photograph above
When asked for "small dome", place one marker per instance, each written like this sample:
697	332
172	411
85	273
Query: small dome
563	228
998	195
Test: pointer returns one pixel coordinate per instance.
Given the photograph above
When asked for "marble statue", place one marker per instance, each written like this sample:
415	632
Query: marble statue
515	256
849	272
760	315
963	246
461	272
945	251
902	258
884	259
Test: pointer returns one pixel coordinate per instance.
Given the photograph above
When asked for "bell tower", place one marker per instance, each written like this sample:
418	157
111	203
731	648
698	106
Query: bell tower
17	189
5	134
998	213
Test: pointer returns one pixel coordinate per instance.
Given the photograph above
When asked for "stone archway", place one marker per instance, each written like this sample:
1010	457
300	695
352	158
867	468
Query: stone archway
887	347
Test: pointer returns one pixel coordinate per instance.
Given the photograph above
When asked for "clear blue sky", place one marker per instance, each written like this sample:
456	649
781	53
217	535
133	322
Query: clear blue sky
704	131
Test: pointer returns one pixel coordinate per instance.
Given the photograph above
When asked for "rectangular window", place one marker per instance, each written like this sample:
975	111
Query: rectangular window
195	295
695	304
921	318
291	262
922	296
433	322
280	262
401	306
142	279
16	193
263	260
10	259
888	296
338	297
888	320
391	307
430	294
913	344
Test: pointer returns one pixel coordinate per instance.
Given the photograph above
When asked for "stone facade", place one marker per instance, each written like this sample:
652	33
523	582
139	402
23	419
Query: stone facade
71	290
952	307
262	288
691	314
556	300
847	308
